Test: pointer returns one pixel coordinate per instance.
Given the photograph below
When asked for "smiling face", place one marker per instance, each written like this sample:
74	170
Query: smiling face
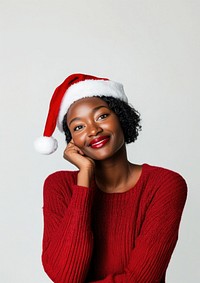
94	128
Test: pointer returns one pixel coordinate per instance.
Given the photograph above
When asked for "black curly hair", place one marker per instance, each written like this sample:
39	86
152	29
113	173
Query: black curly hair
129	119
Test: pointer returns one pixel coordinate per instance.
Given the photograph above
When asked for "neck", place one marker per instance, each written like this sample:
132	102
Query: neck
112	174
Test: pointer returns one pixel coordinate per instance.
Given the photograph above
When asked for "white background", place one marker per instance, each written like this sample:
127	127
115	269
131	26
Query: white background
152	47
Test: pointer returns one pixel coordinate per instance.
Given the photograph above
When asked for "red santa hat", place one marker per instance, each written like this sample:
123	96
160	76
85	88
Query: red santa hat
73	88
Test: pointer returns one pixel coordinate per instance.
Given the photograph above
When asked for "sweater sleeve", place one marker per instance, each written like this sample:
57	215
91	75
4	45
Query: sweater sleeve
158	235
67	239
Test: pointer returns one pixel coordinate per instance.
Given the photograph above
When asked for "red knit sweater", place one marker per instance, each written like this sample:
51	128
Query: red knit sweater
91	236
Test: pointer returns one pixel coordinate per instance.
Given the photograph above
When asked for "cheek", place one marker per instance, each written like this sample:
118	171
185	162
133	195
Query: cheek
117	128
78	139
120	136
119	133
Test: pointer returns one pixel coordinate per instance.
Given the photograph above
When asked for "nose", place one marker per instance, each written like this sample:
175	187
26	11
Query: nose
94	129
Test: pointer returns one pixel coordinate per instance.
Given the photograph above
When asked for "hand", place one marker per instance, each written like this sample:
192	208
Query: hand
75	156
84	163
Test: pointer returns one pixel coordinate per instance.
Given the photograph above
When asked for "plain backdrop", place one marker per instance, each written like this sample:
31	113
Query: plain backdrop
152	47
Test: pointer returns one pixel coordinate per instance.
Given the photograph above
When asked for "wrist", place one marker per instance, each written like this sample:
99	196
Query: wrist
85	176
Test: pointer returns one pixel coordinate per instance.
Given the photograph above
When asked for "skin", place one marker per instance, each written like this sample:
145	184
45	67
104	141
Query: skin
90	118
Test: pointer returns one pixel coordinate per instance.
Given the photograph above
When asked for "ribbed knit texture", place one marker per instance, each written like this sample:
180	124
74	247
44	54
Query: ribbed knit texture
91	236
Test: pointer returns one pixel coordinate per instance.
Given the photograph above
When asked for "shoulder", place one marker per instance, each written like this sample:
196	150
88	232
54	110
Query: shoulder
161	174
60	181
165	180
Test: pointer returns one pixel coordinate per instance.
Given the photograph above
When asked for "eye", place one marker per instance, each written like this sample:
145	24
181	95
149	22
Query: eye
77	128
103	116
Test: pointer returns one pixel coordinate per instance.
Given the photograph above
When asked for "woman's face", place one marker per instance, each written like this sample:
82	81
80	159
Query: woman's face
94	128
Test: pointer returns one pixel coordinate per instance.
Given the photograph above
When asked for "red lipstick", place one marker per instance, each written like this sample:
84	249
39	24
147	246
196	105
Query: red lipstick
99	142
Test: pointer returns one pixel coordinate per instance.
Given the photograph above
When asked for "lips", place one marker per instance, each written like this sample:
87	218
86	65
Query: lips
99	142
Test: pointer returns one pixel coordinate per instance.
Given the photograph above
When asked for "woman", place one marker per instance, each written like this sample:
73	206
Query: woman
110	221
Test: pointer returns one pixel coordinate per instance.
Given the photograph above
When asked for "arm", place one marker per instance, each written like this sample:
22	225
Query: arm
158	236
68	240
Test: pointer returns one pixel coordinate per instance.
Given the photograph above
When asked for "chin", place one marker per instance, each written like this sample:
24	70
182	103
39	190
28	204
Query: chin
103	156
99	156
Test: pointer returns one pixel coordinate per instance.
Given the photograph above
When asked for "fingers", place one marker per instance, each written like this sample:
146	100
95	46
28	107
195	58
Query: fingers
72	141
76	156
71	148
75	147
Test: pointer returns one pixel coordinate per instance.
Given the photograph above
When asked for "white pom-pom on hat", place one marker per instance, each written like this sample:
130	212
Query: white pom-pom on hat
73	88
45	145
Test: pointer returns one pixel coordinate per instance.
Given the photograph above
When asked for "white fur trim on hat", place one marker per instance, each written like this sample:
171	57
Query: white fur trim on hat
45	145
89	88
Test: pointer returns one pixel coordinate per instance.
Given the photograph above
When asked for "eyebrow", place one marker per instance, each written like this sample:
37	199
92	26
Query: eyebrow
93	110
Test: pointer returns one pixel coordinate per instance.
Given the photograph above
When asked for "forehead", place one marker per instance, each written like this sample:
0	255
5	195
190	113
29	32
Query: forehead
84	105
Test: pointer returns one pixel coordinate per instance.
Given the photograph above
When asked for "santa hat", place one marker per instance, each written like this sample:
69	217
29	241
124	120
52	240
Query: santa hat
73	88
